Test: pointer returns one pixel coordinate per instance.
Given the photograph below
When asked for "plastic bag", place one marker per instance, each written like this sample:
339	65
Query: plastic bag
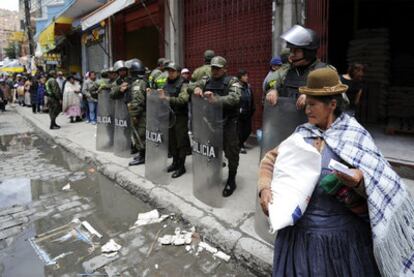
295	174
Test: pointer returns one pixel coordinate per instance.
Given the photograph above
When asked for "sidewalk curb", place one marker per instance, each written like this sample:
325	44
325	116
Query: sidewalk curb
244	248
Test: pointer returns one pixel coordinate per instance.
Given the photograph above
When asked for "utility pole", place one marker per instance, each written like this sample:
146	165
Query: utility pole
28	26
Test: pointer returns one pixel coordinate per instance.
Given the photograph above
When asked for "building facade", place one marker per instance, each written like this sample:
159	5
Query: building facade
9	24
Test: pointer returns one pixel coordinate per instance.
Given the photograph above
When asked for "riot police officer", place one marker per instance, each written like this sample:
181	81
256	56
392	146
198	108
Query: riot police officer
137	109
120	89
161	79
224	89
204	70
303	44
156	72
175	92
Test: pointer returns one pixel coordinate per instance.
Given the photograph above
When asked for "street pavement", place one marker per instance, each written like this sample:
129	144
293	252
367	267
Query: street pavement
38	236
231	227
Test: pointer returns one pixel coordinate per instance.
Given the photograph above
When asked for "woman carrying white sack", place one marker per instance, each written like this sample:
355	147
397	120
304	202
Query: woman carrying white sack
71	105
355	224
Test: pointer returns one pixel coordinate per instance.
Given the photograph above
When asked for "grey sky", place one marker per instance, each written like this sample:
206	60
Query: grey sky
9	4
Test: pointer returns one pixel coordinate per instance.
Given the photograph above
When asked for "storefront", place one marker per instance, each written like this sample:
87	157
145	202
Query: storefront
95	48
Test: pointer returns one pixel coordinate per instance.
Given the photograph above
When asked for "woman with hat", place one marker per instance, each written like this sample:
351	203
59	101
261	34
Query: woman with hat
71	105
361	226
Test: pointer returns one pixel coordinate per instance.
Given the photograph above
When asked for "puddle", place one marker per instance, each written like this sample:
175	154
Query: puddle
43	206
15	192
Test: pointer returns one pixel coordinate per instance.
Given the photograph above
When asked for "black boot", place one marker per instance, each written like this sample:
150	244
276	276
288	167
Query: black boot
138	159
53	125
139	155
181	168
72	120
173	166
230	185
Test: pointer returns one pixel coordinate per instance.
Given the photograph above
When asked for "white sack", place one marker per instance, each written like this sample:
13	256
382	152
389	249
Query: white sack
295	174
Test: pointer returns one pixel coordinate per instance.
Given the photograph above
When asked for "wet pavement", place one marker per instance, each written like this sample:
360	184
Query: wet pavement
38	236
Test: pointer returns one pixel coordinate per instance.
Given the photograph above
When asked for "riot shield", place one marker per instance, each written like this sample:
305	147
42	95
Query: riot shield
156	139
105	122
279	122
207	149
122	129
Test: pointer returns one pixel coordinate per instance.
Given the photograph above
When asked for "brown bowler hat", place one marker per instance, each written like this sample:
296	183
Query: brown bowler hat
323	82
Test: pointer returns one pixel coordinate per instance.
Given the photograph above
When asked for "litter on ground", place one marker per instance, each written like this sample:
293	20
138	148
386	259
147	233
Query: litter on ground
149	218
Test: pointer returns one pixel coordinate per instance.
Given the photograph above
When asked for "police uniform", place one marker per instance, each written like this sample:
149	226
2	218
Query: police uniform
200	72
227	89
179	143
137	110
125	96
204	70
287	79
160	81
156	72
54	100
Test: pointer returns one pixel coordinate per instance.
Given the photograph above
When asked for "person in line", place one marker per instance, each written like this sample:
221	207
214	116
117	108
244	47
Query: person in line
33	94
175	92
156	72
90	88
205	69
354	80
137	110
72	99
275	64
41	94
3	99
60	79
186	74
224	89
247	109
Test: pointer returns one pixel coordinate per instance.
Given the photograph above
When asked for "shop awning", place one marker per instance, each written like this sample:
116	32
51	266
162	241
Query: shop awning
104	12
12	67
59	27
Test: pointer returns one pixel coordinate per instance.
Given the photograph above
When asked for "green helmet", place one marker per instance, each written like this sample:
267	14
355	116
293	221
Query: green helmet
208	55
172	66
218	61
166	62
104	72
160	61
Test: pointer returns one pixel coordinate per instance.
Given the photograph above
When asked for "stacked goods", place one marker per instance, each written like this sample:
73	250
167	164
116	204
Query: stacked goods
401	110
372	47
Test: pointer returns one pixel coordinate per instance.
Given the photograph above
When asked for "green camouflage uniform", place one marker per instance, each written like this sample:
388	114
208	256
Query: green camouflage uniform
160	80
54	98
230	101
116	92
178	97
153	76
137	112
200	72
287	79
